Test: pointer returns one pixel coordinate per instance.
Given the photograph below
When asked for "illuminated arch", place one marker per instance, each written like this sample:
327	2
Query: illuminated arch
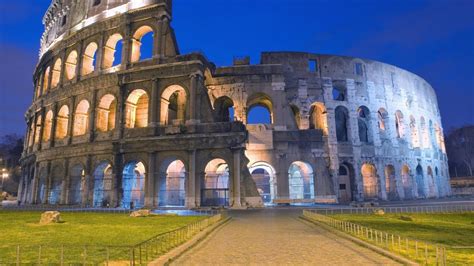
88	58
259	103
133	185
81	118
56	74
136	109
102	185
263	175
369	179
173	105
137	42
215	191
76	184
301	180
106	113
318	117
390	182
113	44
48	124
62	122
172	190
46	80
71	65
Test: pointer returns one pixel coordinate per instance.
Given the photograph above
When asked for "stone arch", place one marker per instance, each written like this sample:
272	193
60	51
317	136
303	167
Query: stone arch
391	183
259	102
71	65
81	118
318	117
346	179
431	182
88	58
114	43
407	182
224	108
432	133
136	109
382	116
338	93
399	124
133	185
425	140
342	123
38	129
38	84
76	184
55	190
42	185
370	181
363	122
106	113
48	124
301	181
415	138
62	122
46	80
420	182
264	176
215	191
296	115
173	105
102	193
56	73
136	54
172	189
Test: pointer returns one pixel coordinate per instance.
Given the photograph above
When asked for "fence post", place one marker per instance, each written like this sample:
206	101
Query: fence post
39	255
108	256
84	260
416	249
426	253
62	255
18	260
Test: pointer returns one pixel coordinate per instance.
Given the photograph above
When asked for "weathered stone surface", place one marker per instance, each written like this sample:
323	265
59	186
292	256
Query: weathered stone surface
379	212
50	217
140	213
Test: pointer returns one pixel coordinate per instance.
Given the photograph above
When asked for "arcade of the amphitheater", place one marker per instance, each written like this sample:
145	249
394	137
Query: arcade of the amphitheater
111	126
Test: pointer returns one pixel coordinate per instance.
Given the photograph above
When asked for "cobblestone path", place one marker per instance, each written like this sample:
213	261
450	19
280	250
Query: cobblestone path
276	237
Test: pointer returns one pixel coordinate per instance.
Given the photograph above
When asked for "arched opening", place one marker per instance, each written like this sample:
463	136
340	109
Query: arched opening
301	181
133	185
31	132
296	115
338	94
342	123
432	134
106	113
62	121
71	64
390	182
259	108
363	122
113	51
317	117
46	80
346	181
56	74
42	185
173	105
382	116
172	190
142	44
38	91
407	183
415	138
136	109
48	123
399	124
102	185
224	108
420	182
215	191
88	59
56	185
263	175
439	182
369	179
77	179
38	129
81	118
431	182
425	140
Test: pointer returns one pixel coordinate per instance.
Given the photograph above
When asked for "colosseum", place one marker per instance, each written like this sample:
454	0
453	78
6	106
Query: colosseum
117	123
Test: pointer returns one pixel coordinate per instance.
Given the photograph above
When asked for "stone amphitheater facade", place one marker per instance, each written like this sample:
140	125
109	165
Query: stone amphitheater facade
110	128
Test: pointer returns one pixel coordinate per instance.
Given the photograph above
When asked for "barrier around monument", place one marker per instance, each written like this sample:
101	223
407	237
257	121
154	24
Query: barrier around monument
402	209
137	254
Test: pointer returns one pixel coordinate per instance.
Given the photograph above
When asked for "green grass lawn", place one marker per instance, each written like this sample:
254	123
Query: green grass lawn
456	229
79	229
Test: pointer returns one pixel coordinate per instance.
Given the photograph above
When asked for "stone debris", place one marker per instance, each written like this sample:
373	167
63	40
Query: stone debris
140	213
50	217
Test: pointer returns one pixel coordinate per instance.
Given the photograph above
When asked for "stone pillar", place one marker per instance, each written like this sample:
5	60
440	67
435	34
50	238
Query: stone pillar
80	59
88	183
116	197
164	30
120	111
35	121
64	198
47	184
100	54
194	86
127	44
41	132
33	197
150	180
281	175
236	175
278	119
191	181
92	116
157	39
70	126
154	104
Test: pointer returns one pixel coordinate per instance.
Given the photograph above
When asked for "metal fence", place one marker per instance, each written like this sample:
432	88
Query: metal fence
405	209
416	250
138	254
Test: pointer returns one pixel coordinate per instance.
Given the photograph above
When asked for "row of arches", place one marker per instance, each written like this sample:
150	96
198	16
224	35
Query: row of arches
142	44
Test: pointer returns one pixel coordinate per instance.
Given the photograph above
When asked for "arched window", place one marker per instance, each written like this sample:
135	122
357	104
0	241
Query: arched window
142	44
317	117
338	94
216	184
133	185
55	190
38	129
390	182
224	108
76	187
56	74
399	124
259	109
420	181
369	178
48	123
46	80
346	181
406	181
71	65
263	174
171	187
415	138
113	51
173	105
382	116
363	122
106	113
62	122
81	118
102	185
301	181
136	109
342	120
88	59
425	139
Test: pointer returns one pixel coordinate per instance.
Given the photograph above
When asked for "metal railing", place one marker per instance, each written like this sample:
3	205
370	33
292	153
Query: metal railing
420	251
403	209
137	254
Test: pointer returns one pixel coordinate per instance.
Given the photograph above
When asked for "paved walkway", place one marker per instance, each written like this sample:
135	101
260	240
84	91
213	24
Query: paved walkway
276	237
